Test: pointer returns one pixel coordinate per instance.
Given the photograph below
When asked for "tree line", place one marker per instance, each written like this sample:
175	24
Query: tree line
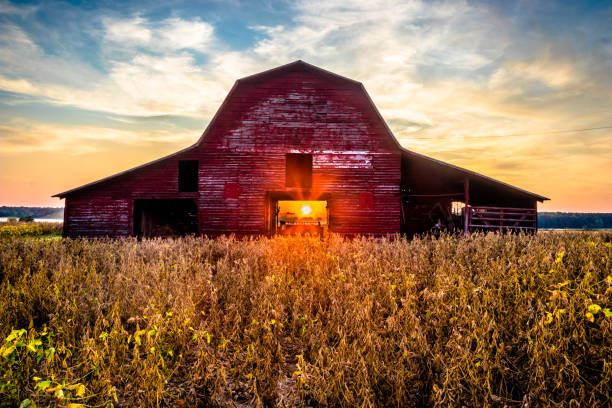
34	212
545	219
574	220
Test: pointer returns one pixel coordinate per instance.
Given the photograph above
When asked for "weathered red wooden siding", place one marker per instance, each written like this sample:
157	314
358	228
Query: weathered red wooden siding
99	216
298	110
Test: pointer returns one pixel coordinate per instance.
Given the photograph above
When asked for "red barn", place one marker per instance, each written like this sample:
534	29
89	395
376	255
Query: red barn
295	149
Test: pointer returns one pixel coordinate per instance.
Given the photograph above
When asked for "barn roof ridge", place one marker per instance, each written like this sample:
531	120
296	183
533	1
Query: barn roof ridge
297	63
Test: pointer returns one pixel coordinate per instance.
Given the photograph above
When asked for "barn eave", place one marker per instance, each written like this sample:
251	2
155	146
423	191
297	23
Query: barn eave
122	173
463	172
475	175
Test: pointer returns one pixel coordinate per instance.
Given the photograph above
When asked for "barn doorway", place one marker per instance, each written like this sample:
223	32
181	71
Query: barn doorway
300	217
165	217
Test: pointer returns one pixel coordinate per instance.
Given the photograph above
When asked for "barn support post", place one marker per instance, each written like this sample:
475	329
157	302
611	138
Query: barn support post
535	207
466	197
65	230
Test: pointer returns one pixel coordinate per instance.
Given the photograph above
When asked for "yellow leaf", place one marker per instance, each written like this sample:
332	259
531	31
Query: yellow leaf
7	351
590	317
549	318
74	405
594	308
42	385
80	390
113	393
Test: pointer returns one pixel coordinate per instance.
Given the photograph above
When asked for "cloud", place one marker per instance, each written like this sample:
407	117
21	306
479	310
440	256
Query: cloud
19	136
8	8
172	34
128	31
18	86
22	59
165	80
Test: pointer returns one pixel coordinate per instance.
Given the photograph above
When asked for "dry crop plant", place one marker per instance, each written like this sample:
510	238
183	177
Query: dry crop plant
487	320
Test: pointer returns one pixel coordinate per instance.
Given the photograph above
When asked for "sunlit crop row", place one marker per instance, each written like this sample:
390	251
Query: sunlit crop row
481	321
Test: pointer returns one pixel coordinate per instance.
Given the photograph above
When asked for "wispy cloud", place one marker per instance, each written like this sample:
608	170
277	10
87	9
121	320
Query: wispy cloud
173	34
7	8
150	71
20	137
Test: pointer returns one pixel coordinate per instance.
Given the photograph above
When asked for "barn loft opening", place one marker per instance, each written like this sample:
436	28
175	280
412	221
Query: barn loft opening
188	175
301	217
298	170
165	217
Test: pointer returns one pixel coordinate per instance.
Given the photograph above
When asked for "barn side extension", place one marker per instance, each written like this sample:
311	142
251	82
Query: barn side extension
296	149
440	196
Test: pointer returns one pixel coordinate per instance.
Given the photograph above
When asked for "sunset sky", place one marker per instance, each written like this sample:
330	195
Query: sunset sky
518	90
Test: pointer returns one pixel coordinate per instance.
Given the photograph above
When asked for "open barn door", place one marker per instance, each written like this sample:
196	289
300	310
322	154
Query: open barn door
290	216
295	217
165	217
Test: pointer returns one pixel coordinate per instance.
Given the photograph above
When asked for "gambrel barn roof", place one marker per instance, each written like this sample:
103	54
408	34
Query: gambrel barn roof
453	174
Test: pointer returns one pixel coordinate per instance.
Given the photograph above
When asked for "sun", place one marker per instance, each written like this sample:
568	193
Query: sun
306	209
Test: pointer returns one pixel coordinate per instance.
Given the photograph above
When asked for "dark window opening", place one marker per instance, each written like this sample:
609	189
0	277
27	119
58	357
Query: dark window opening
298	170
188	175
